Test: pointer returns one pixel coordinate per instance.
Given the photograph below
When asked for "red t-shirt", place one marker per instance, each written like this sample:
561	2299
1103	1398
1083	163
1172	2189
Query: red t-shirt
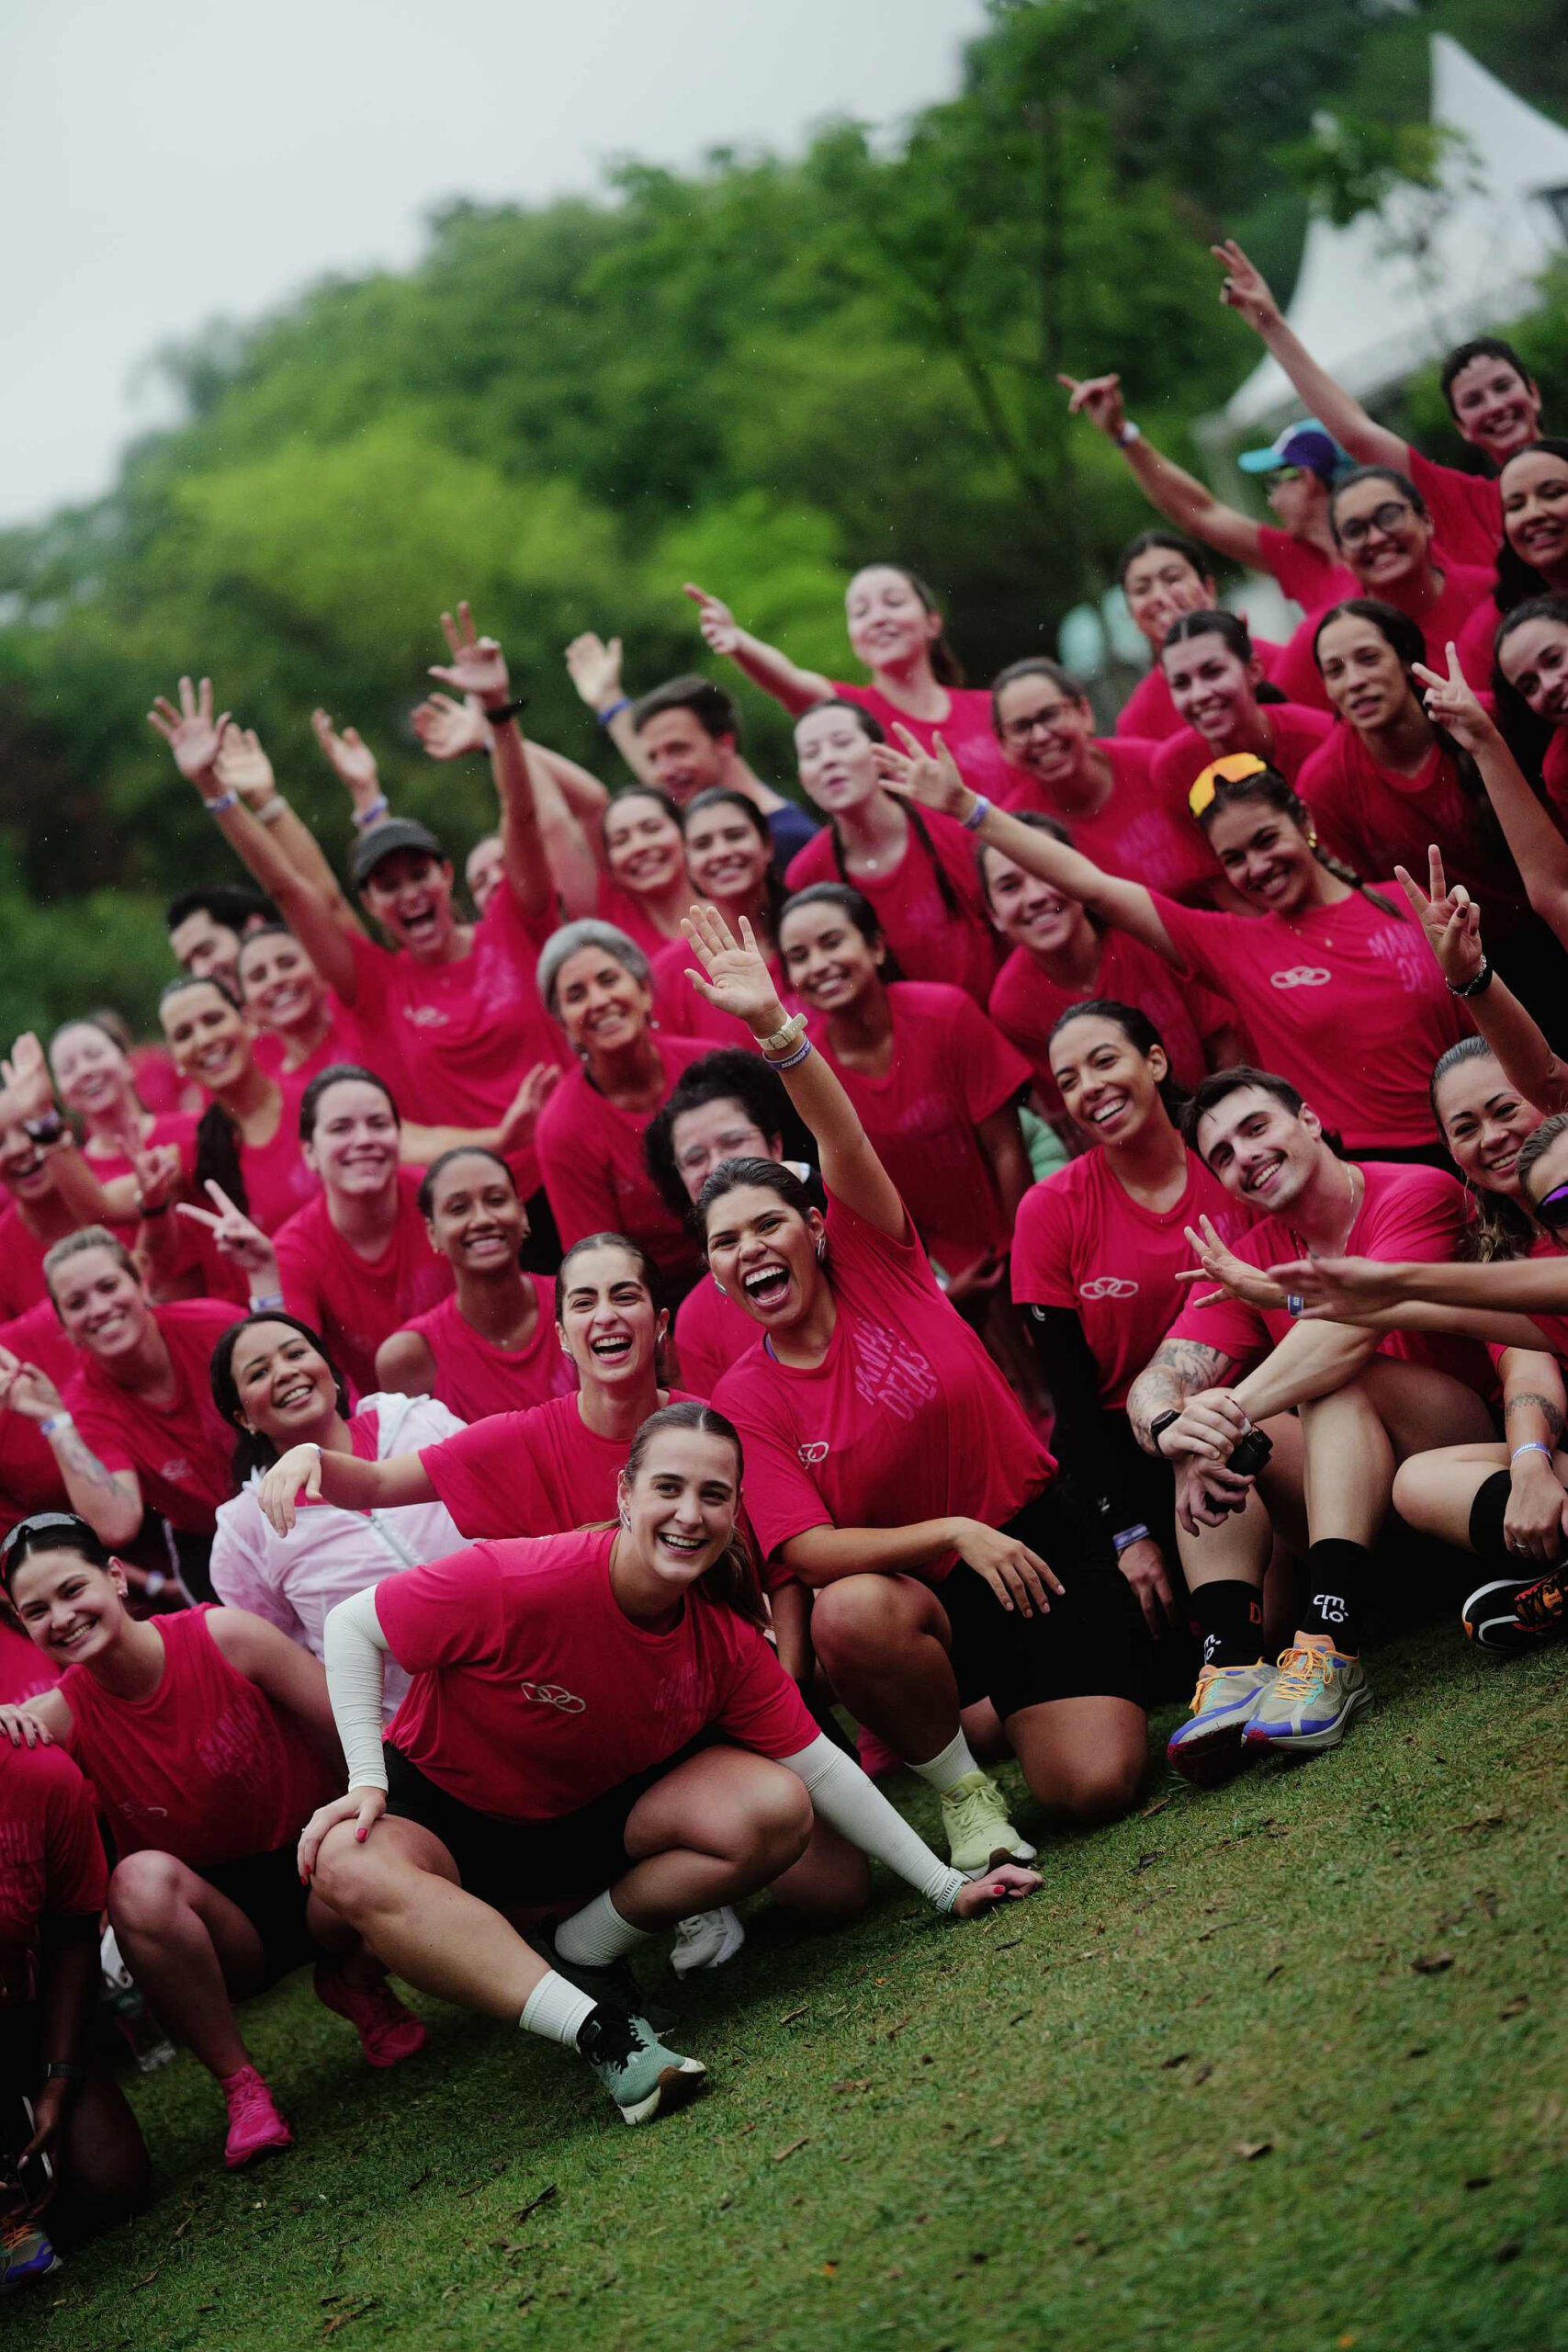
1405	1213
1465	586
678	1007
345	1042
51	1857
1027	1003
905	1418
1149	711
355	1303
1138	833
1310	578
30	1475
1376	819
21	1264
159	1086
1474	643
1344	1000
537	1472
534	1693
595	1177
711	1333
1466	509
474	1377
951	1068
464	1035
967	730
180	1452
626	911
1183	759
931	940
177	1127
1082	1241
23	1670
207	1769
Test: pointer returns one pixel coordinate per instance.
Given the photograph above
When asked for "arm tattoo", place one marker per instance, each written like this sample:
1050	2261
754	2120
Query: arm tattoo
1177	1370
1550	1413
77	1459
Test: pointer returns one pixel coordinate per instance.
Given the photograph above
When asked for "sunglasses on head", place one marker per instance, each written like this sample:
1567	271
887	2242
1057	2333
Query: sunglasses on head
1551	1209
39	1524
1233	768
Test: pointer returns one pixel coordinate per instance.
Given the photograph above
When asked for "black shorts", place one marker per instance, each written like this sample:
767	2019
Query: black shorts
525	1865
1093	1644
267	1888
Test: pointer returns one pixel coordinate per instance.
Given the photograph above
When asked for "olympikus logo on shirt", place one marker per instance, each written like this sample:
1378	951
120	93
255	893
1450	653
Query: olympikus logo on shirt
1107	1287
173	1472
1301	975
425	1016
551	1694
814	1453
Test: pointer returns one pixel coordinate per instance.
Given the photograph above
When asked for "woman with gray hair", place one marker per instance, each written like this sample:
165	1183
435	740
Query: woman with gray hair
597	983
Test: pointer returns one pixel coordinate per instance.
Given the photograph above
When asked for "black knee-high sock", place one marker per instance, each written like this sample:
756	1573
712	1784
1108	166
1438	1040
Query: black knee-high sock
1227	1618
1487	1515
1336	1588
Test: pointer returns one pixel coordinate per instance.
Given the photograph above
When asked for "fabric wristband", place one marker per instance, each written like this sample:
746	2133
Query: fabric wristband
56	1424
1129	434
978	815
1477	987
373	812
1128	1536
1531	1445
225	801
505	710
275	808
612	710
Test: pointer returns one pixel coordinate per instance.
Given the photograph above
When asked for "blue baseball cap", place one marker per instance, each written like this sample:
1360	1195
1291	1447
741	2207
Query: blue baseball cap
1306	444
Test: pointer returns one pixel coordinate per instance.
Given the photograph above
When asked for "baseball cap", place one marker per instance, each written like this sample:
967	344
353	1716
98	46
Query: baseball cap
1307	443
396	833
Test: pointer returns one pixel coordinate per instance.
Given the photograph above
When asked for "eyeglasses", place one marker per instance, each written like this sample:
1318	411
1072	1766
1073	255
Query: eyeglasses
1382	518
1233	768
1019	730
1553	1210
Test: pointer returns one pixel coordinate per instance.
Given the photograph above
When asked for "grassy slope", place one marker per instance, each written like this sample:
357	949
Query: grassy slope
1014	2135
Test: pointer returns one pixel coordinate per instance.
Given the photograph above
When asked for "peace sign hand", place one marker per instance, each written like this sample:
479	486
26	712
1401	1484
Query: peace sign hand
25	1389
192	734
1451	918
1246	288
1454	706
478	665
233	1235
1219	1263
737	976
1100	399
930	778
158	1172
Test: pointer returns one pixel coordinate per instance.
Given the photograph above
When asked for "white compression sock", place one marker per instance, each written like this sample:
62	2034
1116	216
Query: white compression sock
557	2010
597	1935
950	1764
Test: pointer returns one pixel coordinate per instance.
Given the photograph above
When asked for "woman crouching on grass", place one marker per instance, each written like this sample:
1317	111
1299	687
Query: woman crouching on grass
208	1740
641	1769
893	1472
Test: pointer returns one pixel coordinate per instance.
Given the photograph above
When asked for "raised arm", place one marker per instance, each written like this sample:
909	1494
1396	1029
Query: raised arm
109	1501
243	766
1538	849
733	976
595	670
1348	1289
1451	922
1246	291
766	667
341	1479
1189	504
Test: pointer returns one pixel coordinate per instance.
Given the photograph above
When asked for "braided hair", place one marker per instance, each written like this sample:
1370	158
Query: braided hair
1267	785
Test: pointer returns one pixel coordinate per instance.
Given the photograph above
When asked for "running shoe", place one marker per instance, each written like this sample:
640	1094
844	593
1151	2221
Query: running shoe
613	1981
1514	1613
26	2255
254	2123
1311	1700
1208	1749
979	1834
642	2077
707	1940
386	2031
876	1759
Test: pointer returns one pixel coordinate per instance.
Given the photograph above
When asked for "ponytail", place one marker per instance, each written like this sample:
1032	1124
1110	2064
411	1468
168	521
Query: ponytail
218	1157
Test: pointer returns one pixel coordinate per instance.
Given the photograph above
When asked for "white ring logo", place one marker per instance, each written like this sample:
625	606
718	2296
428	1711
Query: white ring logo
551	1694
1301	975
812	1454
1108	1286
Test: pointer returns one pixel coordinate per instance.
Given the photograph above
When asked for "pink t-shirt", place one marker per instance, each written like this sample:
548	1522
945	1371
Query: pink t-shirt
533	1692
967	730
711	1333
51	1857
1466	509
537	1472
355	1303
1376	819
1344	1000
177	1127
931	940
1474	645
1138	833
678	1007
1183	759
475	1377
30	1475
1310	578
1465	588
208	1768
626	911
464	1035
24	1669
951	1068
159	1086
181	1451
595	1177
905	1418
345	1041
1149	712
21	1264
1027	1003
1082	1241
1405	1213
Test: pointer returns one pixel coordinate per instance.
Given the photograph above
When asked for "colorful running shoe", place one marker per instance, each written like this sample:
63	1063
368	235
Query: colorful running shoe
642	2077
386	2031
254	2123
1311	1700
1514	1613
707	1940
979	1834
1209	1748
26	2255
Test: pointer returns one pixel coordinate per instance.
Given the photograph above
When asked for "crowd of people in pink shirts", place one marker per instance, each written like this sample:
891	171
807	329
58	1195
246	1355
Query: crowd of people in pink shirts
536	1397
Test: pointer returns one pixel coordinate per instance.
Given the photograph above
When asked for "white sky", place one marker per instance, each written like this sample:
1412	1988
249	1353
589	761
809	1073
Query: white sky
165	162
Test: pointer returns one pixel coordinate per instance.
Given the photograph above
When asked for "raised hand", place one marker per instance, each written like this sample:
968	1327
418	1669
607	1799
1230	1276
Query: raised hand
720	632
1451	918
735	975
1100	399
233	1235
449	729
25	1076
1338	1290
478	665
351	760
25	1390
192	734
243	767
1246	288
1454	706
932	777
1219	1263
521	1117
300	1467
158	1171
1005	1883
363	1807
595	668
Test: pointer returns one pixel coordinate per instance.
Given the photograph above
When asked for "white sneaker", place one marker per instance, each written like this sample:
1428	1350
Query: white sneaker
707	1940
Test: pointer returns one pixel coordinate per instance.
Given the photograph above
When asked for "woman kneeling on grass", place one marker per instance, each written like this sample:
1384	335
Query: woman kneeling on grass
208	1738
593	1716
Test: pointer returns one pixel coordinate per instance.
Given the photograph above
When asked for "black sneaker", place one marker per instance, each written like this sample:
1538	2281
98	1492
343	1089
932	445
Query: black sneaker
1514	1613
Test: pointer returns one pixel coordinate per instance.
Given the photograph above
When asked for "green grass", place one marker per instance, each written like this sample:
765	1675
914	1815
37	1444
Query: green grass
1029	2132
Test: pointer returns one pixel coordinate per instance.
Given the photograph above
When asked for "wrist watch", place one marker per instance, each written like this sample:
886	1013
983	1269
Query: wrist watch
780	1041
65	2070
1157	1429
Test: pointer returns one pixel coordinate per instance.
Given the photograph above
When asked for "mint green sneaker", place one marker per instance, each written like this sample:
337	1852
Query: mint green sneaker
1208	1749
642	2077
1311	1700
979	1834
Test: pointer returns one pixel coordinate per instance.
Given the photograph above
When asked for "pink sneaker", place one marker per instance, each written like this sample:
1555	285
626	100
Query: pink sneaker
386	2031
254	2123
876	1759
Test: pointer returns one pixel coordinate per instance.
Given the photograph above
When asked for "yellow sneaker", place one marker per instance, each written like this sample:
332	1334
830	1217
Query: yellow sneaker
1210	1748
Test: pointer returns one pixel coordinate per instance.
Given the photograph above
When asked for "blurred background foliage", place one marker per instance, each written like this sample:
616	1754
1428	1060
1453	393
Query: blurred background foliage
757	375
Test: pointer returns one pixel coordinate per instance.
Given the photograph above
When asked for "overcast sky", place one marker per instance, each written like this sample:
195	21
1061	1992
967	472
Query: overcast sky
167	161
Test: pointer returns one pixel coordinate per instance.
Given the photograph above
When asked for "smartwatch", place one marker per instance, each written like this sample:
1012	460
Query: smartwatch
1157	1429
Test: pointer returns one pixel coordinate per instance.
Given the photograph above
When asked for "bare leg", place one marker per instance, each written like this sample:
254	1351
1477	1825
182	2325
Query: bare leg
714	1830
105	2174
1084	1759
1349	1465
831	1883
983	1730
399	1889
1433	1492
193	1952
884	1642
1421	1409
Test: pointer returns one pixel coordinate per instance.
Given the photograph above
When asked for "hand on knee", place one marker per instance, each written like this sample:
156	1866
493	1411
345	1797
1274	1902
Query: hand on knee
348	1875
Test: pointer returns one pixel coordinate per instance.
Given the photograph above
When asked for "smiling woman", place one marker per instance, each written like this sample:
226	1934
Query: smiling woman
246	1139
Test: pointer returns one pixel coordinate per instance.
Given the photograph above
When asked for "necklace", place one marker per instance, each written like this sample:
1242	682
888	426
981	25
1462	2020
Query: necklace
1349	1166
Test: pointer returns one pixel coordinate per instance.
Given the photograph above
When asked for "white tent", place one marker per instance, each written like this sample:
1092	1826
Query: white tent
1377	299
